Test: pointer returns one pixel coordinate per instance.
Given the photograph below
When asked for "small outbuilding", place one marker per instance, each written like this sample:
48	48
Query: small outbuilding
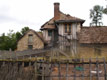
30	40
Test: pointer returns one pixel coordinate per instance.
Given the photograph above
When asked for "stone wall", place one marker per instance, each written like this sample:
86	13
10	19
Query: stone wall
78	50
92	51
23	42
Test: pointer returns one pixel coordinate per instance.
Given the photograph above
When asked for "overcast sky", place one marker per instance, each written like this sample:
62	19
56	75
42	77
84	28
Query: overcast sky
16	14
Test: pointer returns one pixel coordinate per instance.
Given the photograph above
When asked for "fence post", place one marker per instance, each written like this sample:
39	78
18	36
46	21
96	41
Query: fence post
59	74
97	68
74	72
105	69
83	69
90	69
35	68
43	70
67	67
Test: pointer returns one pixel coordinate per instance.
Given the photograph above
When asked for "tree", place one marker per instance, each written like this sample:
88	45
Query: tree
24	30
105	11
21	33
18	35
9	41
96	15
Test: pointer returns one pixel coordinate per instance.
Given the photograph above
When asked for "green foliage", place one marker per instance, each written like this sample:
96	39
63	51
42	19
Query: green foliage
96	15
18	35
9	41
105	11
23	31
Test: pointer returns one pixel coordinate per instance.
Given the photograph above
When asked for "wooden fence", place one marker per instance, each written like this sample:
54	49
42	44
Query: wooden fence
44	69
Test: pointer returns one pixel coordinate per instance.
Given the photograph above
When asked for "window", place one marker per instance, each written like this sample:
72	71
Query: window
30	46
30	38
49	32
67	28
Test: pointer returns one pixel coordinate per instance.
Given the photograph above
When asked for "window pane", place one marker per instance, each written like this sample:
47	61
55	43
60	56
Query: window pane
30	46
49	32
69	28
65	28
30	38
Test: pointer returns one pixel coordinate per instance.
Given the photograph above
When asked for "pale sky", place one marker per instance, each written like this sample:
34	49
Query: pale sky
16	14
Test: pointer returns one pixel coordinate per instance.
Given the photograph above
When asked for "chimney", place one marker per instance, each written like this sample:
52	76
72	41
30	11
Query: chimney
56	11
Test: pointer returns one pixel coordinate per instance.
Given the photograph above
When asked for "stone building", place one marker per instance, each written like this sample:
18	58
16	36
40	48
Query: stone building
30	40
92	41
69	33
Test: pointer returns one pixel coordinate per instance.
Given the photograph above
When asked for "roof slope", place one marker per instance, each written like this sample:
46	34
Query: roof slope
63	18
67	17
93	35
48	25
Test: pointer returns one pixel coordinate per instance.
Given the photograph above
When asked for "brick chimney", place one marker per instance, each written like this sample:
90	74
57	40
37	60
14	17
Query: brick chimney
56	11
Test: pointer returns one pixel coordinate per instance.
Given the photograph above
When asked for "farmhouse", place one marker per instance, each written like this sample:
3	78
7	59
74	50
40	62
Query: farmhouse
61	25
69	33
30	40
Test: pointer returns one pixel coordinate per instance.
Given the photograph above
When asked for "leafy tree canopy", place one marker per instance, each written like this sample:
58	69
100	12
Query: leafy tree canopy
9	41
96	15
105	11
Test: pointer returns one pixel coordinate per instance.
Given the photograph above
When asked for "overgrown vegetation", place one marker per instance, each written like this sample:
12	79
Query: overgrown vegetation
9	41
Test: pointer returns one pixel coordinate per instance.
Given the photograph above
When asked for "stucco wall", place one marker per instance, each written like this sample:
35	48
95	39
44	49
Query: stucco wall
45	35
23	42
61	29
75	28
78	27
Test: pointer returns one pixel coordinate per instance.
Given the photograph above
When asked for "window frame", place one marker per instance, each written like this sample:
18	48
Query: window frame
30	47
30	40
50	33
68	28
65	28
